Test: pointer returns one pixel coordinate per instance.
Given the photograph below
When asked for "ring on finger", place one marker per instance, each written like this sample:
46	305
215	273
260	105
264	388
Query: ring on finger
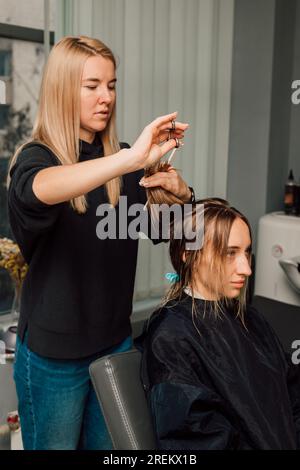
177	142
173	123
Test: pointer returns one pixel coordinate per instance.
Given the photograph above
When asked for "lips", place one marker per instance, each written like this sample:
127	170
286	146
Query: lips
238	284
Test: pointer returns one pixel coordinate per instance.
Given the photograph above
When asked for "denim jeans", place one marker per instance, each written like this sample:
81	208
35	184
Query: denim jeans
58	407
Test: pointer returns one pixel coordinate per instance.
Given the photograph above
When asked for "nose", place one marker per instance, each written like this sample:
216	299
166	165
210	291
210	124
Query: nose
105	95
243	266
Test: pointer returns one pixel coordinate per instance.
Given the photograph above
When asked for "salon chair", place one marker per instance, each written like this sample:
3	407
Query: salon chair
116	380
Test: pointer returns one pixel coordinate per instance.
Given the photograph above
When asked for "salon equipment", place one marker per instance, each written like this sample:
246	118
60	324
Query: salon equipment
277	274
291	267
117	383
9	336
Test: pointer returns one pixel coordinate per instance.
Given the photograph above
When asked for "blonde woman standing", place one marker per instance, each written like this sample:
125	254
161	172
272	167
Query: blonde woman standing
77	295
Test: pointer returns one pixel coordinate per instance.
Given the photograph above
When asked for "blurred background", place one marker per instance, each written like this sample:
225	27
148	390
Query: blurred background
226	66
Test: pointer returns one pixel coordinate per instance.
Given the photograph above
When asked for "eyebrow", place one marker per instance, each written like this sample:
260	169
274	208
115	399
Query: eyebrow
238	247
97	80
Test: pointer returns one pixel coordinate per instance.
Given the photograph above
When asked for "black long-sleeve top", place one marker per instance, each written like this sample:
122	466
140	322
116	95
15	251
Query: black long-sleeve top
212	384
77	295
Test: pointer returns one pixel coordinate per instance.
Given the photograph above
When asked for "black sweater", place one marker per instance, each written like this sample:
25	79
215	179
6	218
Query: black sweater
77	295
221	387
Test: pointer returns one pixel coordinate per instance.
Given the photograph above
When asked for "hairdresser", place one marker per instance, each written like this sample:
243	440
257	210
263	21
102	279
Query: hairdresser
77	296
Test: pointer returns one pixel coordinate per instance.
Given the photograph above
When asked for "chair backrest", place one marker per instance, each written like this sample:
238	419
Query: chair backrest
117	383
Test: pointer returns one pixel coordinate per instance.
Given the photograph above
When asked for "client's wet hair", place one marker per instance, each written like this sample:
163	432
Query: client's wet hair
159	195
219	217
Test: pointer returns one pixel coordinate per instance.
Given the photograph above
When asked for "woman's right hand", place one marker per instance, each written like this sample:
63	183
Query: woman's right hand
61	183
152	144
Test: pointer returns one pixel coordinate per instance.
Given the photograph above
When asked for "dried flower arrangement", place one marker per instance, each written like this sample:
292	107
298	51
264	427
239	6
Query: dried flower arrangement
12	260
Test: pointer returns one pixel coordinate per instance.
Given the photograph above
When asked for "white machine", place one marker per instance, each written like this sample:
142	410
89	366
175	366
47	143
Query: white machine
277	273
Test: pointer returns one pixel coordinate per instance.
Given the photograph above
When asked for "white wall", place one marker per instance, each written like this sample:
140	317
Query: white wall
28	13
251	107
294	149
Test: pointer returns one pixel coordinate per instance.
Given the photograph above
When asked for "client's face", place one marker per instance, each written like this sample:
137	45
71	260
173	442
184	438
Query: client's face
238	259
236	269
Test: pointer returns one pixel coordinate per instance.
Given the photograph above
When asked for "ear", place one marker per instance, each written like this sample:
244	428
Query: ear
186	254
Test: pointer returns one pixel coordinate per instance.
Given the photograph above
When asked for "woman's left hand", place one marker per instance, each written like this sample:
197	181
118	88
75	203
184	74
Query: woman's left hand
169	180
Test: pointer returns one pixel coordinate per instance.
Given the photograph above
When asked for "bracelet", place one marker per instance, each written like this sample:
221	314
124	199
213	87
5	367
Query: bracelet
193	199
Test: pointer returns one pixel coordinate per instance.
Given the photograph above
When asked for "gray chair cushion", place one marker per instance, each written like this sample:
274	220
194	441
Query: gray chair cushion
117	383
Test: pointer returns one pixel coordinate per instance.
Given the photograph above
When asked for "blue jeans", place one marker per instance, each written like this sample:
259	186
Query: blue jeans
58	407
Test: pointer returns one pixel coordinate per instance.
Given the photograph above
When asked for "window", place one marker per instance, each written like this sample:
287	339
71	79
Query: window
5	63
4	110
5	74
21	64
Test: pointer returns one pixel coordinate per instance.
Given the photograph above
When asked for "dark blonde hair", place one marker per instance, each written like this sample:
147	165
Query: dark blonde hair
159	195
57	122
219	217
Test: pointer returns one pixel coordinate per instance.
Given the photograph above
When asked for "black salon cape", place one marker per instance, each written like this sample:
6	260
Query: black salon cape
221	387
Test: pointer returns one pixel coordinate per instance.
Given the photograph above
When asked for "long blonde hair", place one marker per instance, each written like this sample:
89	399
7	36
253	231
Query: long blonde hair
57	123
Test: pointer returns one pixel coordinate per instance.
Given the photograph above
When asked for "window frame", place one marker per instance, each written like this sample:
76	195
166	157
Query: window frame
11	31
